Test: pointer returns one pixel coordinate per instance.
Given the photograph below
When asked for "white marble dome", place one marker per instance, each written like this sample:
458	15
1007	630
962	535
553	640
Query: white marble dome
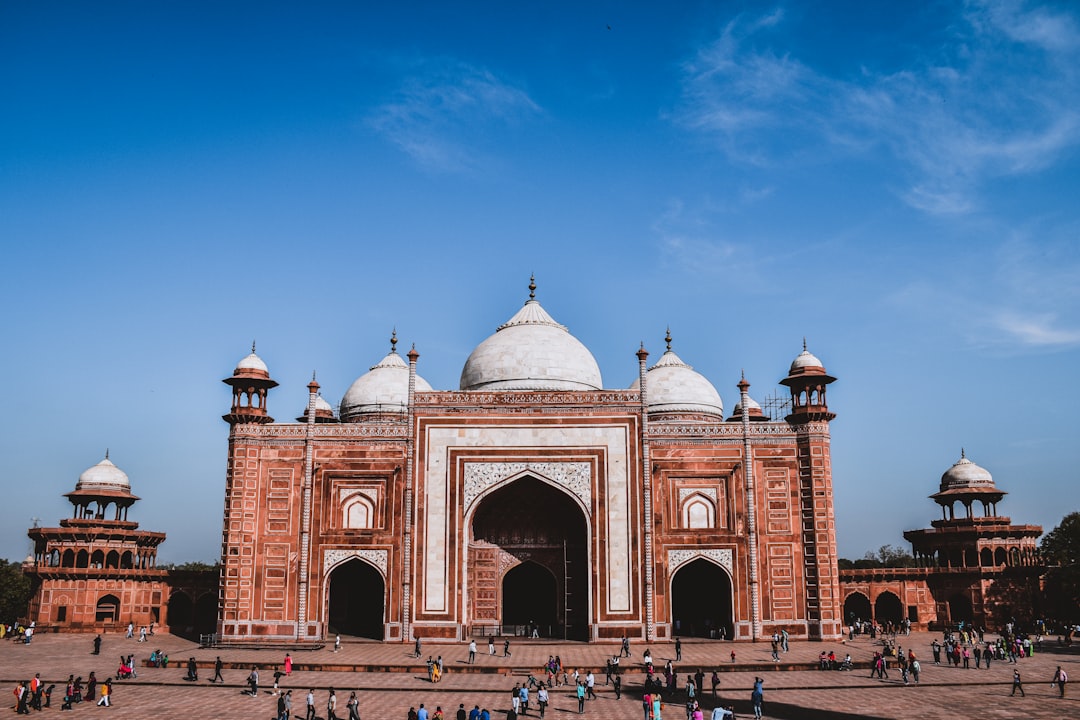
750	403
103	476
966	474
531	351
383	389
321	404
251	366
674	386
805	359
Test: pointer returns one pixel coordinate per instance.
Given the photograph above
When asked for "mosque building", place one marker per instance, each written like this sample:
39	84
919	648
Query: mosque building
529	499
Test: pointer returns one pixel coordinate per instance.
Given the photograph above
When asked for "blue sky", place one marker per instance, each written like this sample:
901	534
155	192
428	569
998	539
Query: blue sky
896	182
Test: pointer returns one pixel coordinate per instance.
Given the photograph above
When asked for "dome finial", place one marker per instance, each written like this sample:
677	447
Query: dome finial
106	453
667	338
312	376
252	347
962	455
804	344
532	286
393	340
742	374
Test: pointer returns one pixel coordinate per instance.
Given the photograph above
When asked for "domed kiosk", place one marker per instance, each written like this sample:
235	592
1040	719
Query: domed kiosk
676	388
97	571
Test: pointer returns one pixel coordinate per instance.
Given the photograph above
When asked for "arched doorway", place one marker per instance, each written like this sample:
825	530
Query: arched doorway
701	601
960	609
887	608
108	609
357	600
205	614
530	597
181	618
856	607
529	520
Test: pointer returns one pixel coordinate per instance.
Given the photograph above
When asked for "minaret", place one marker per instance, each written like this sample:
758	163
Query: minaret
250	382
810	418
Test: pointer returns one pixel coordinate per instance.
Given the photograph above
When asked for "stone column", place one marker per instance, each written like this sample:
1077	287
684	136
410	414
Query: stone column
646	481
410	446
305	513
751	511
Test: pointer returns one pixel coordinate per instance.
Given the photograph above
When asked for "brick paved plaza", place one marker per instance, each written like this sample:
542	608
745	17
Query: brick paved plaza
388	680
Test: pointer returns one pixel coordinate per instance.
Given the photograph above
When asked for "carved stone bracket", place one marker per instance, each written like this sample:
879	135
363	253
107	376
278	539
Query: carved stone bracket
681	556
576	477
333	556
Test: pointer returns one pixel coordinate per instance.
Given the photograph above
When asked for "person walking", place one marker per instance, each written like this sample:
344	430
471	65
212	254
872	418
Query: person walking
310	705
625	647
506	648
757	697
616	684
678	649
590	685
580	697
97	645
331	706
106	694
542	700
1060	678
288	664
287	697
217	671
416	648
253	681
472	652
1017	684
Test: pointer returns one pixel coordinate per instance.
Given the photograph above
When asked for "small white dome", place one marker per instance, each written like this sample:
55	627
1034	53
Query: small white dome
103	476
966	474
384	389
674	386
321	404
750	403
531	351
252	362
805	360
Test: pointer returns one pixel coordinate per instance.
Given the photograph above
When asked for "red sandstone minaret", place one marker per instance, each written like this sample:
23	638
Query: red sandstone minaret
810	418
250	382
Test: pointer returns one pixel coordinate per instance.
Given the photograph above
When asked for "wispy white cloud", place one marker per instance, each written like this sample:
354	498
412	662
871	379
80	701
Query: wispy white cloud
441	115
1003	99
1020	296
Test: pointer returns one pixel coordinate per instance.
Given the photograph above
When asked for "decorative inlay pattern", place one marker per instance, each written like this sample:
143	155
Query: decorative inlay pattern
370	493
570	397
333	556
722	556
706	491
574	476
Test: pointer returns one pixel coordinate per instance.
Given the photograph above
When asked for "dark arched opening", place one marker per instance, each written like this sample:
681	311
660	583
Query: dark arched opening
529	518
357	598
960	609
108	609
701	601
856	608
206	608
887	608
180	615
986	558
529	597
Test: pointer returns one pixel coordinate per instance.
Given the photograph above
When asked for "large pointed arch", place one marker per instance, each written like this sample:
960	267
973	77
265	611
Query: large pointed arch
702	594
526	517
355	597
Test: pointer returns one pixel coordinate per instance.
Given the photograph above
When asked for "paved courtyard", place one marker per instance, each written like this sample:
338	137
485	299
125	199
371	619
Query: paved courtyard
388	680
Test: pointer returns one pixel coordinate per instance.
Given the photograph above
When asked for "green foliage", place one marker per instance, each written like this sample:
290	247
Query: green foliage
1061	551
15	591
886	556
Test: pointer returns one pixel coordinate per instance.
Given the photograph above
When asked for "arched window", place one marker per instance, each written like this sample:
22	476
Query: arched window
698	511
112	560
108	609
986	558
68	560
97	559
999	556
125	560
358	513
82	559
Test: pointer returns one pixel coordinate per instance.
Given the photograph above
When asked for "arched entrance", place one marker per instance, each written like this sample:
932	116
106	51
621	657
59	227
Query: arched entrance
357	598
530	596
181	617
108	609
531	521
701	601
856	607
960	609
887	608
206	608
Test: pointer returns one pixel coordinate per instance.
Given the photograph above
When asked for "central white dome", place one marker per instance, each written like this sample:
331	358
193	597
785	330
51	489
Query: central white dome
674	386
103	476
531	351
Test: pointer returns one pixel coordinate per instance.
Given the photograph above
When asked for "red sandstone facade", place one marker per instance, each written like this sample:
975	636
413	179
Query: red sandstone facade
97	571
531	498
